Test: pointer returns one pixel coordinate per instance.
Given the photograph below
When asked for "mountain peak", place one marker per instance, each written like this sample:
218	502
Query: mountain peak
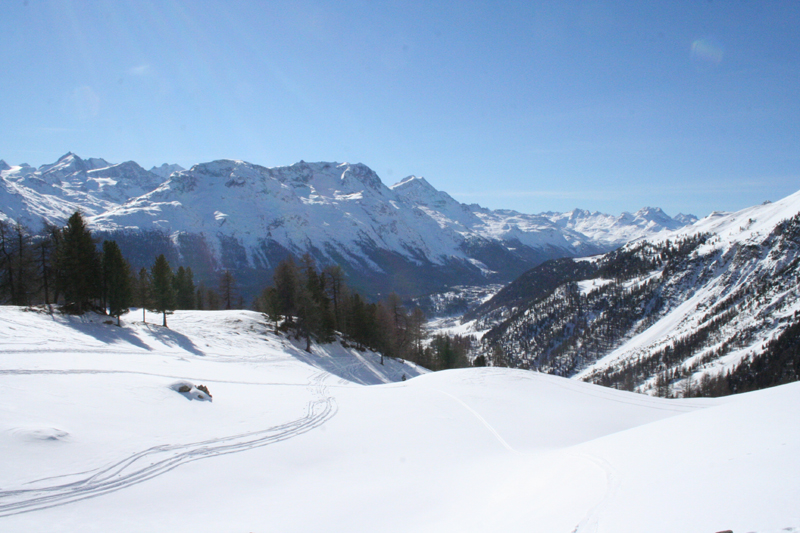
362	173
685	219
650	211
4	165
69	156
166	169
416	182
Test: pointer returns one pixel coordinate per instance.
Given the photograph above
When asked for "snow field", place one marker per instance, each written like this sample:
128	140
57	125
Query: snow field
95	439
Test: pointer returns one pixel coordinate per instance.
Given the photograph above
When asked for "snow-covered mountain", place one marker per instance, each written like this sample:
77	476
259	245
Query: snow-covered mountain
624	228
51	193
410	237
662	314
166	169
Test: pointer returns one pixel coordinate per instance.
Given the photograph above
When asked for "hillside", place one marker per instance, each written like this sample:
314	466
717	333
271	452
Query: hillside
664	314
409	238
96	436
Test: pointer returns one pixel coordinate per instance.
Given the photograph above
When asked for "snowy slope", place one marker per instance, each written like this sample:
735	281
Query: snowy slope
744	251
96	438
662	313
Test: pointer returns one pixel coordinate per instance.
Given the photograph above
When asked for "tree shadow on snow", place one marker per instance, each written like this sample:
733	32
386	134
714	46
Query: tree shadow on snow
170	337
352	365
100	329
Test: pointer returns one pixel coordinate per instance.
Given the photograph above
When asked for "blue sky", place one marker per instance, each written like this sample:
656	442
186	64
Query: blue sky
533	106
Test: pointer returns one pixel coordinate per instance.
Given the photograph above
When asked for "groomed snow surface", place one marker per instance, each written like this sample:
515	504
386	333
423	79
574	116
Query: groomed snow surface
95	435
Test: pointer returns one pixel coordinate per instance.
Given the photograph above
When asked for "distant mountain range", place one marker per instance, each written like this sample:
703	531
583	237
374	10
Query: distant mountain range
410	237
710	309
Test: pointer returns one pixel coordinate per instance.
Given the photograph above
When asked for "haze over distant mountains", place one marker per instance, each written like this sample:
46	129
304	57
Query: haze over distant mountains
227	214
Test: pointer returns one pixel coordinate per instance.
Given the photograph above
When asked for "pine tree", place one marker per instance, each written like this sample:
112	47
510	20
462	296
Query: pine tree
227	288
163	293
416	334
336	288
212	299
24	265
285	279
43	253
56	237
141	292
313	309
184	288
6	262
200	297
80	271
117	280
267	303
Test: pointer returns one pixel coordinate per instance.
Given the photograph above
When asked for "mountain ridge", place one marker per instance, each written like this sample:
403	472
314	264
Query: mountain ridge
249	217
667	314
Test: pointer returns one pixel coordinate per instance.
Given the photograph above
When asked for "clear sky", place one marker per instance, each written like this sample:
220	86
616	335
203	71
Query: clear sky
534	106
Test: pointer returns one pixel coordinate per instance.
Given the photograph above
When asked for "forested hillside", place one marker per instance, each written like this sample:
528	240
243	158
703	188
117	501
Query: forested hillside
671	316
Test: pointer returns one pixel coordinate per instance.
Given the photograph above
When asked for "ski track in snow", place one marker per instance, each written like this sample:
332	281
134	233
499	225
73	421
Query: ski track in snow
591	521
37	371
480	419
133	469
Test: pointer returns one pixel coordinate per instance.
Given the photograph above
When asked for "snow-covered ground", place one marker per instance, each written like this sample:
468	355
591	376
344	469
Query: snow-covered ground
94	436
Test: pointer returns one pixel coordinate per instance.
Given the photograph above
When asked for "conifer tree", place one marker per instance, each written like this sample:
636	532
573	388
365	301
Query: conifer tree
24	266
80	271
141	292
117	280
335	287
271	305
212	299
227	288
417	334
285	279
6	262
43	254
163	293
200	297
17	264
184	288
55	235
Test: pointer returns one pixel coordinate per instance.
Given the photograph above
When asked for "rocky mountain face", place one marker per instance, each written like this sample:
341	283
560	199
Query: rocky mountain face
702	309
409	238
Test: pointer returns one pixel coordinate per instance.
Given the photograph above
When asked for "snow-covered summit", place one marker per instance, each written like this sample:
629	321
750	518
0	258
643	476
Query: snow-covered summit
53	192
437	204
617	230
165	170
685	220
69	165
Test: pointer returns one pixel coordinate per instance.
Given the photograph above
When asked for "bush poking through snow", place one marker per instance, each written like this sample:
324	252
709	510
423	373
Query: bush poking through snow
189	391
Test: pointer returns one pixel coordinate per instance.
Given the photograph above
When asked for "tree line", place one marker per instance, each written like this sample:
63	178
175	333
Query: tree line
63	265
67	267
317	304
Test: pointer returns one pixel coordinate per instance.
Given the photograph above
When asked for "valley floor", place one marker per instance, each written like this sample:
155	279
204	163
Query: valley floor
96	437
